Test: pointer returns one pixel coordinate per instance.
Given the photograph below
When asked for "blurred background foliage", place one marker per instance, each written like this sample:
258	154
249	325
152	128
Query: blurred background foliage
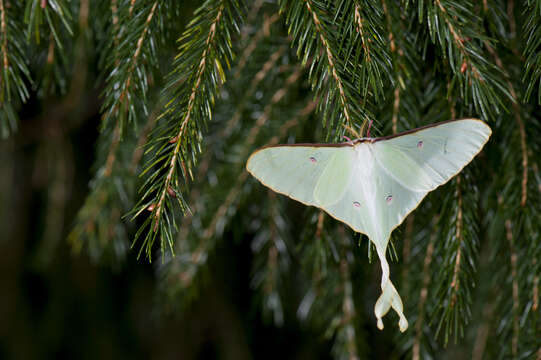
130	229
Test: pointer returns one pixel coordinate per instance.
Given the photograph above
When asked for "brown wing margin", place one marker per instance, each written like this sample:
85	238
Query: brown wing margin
358	141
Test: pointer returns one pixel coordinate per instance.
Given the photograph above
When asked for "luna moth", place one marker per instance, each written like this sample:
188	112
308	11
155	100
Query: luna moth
372	184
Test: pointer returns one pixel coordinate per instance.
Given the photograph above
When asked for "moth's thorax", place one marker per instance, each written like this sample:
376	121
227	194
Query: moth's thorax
366	184
364	158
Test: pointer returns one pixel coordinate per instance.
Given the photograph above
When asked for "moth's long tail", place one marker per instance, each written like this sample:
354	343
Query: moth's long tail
389	296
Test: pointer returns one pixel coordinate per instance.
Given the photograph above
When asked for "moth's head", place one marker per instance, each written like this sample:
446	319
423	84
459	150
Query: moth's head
364	139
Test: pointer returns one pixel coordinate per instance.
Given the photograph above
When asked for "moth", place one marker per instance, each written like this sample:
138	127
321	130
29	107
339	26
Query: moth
372	184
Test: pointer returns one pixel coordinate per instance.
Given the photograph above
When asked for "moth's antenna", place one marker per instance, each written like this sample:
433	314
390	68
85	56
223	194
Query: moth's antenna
352	131
363	126
369	126
348	140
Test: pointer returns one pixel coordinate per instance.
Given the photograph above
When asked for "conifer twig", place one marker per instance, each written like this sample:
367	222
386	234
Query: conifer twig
204	55
260	122
455	283
532	54
137	53
127	83
268	274
330	61
204	246
364	41
336	55
183	127
40	12
459	251
458	39
132	5
119	96
520	123
142	138
226	132
398	54
3	29
15	75
232	196
389	26
479	81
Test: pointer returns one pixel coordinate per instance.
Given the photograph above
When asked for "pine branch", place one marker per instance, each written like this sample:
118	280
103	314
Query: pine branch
131	61
272	260
532	50
49	26
451	26
189	263
50	14
343	104
195	244
316	259
405	59
520	203
14	73
227	131
252	136
329	301
201	229
248	146
125	96
459	251
520	228
268	276
323	37
363	48
199	70
260	73
518	118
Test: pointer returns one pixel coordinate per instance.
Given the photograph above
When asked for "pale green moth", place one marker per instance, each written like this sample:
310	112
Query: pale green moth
372	184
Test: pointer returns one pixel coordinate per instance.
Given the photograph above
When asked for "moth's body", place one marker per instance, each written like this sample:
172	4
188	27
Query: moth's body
371	184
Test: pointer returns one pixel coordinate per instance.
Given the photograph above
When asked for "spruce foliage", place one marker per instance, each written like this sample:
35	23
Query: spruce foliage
186	96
